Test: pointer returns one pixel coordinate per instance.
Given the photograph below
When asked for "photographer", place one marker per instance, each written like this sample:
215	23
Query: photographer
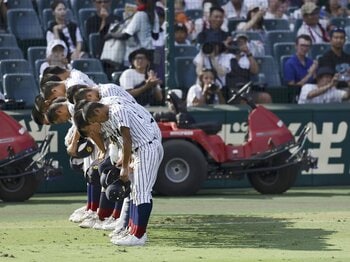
242	67
324	91
206	92
213	56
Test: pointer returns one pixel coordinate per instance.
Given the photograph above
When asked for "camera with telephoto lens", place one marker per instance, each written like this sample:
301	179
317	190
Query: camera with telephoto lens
208	48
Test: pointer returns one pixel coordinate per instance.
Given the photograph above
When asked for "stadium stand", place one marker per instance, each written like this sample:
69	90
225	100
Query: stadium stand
185	73
21	87
185	50
8	40
12	66
88	65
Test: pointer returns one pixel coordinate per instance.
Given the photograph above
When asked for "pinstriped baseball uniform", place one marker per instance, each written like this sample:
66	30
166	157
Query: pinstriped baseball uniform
147	150
108	90
146	114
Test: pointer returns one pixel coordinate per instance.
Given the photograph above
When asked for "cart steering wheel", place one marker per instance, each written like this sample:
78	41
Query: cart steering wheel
240	92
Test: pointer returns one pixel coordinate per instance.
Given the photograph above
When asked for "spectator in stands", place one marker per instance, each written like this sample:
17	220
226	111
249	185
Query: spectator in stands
181	35
255	21
324	91
143	27
100	22
242	67
192	4
277	9
336	58
214	33
67	31
334	9
204	23
159	46
312	25
56	55
300	69
206	91
213	56
181	17
235	9
140	81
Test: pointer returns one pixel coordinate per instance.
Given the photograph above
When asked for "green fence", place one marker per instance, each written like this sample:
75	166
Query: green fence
328	140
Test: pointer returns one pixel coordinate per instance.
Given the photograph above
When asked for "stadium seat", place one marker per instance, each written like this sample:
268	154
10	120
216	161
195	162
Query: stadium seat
282	49
94	44
83	15
115	77
232	23
79	4
8	40
19	4
37	66
318	49
118	13
283	60
339	21
277	36
88	65
185	73
268	67
276	24
13	66
251	35
98	77
185	50
347	48
194	14
21	86
10	53
34	53
47	17
297	25
25	25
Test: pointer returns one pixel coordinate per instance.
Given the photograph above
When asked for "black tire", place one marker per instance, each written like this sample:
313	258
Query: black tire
277	181
18	189
183	169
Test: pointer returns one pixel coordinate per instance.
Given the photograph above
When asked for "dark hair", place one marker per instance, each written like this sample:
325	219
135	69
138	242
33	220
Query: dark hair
37	116
305	37
39	103
55	3
260	22
216	8
80	122
80	105
81	94
51	114
89	109
205	70
56	70
47	88
180	27
213	2
49	77
337	30
73	90
150	7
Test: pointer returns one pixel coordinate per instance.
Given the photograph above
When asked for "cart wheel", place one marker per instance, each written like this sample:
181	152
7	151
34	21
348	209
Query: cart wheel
277	181
20	188
183	169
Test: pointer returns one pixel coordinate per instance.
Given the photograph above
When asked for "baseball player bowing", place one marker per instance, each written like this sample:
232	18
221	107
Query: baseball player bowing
135	133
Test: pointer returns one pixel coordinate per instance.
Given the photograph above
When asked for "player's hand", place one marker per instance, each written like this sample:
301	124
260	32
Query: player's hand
104	13
101	155
72	149
124	174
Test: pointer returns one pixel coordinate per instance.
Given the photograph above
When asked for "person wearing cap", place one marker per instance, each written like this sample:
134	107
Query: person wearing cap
324	91
299	69
242	67
312	24
56	54
254	21
336	58
139	80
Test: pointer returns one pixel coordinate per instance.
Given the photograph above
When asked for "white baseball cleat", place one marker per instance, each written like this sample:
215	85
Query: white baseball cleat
90	221
109	223
131	240
77	214
118	235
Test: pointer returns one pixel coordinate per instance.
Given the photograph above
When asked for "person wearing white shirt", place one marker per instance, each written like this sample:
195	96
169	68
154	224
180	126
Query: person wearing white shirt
324	91
235	9
205	92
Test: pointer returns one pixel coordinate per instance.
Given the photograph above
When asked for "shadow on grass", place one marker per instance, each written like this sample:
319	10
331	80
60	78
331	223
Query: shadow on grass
237	232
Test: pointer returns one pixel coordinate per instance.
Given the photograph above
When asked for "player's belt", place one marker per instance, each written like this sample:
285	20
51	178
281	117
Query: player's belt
148	143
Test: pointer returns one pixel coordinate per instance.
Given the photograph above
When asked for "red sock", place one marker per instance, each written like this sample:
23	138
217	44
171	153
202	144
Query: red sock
104	213
116	213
